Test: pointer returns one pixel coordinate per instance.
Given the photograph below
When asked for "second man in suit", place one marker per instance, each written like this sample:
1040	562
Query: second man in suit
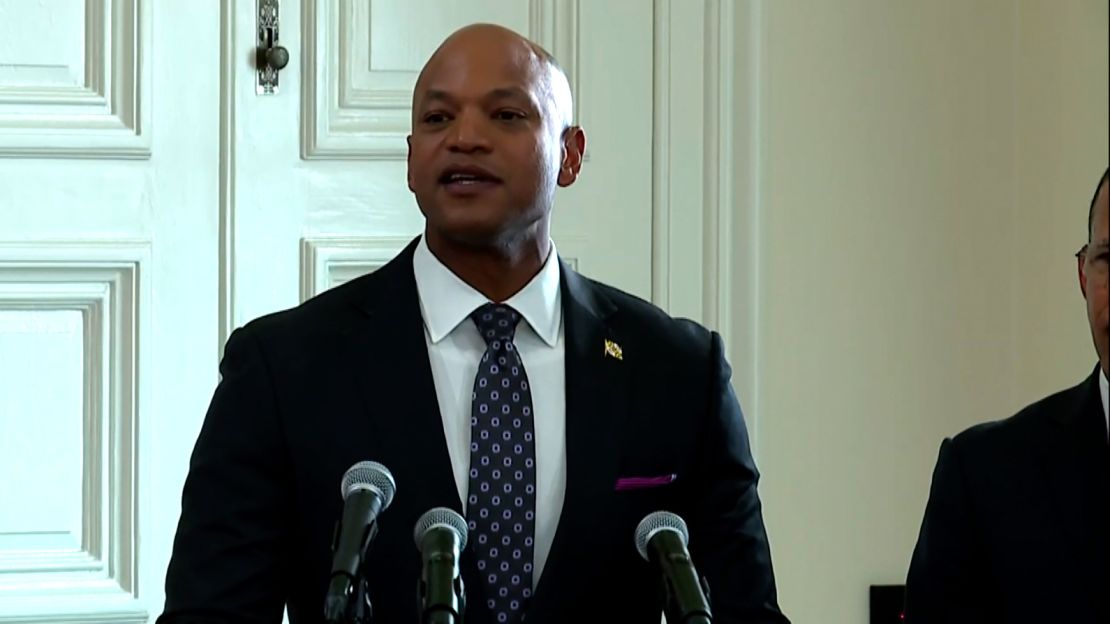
1016	530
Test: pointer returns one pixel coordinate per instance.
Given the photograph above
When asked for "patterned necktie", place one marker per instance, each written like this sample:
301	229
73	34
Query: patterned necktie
501	505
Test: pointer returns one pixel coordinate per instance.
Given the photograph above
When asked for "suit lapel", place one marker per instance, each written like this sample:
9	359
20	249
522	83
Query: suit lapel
387	357
1075	462
388	360
596	402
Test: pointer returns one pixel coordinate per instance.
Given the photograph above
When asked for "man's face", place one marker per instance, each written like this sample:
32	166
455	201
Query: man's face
485	150
1093	277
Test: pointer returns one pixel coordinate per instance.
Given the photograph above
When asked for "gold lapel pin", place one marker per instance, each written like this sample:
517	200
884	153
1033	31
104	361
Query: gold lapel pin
613	350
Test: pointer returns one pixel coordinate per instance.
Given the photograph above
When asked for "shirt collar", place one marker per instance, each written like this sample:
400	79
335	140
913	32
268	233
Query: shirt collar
446	300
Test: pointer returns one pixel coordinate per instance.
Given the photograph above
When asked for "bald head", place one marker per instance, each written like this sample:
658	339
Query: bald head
494	46
492	138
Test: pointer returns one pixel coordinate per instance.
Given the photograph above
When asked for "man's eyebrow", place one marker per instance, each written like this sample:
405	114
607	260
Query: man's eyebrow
509	93
516	94
437	95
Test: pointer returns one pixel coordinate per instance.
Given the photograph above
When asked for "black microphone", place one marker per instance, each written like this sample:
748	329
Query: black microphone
440	536
661	538
368	488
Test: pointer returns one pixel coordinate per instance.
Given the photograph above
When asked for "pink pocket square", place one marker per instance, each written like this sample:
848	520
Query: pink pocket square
639	483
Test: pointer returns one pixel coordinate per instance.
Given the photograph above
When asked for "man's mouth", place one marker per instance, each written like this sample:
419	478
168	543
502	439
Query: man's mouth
468	180
467	175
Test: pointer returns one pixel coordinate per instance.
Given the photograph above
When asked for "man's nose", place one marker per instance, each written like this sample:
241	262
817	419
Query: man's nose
468	134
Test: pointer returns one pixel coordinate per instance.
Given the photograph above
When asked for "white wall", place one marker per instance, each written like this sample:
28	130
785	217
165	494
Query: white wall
1062	110
919	173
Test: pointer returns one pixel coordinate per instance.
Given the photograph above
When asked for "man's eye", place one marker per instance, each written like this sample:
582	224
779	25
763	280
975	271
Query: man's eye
435	118
508	115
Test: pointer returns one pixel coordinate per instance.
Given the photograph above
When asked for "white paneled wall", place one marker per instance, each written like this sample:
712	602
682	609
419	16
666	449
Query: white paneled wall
71	79
108	166
69	327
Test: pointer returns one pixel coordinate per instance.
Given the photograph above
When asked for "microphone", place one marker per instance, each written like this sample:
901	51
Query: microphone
368	488
661	539
440	536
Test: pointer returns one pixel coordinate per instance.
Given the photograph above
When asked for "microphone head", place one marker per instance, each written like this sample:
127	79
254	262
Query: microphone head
368	475
655	522
440	517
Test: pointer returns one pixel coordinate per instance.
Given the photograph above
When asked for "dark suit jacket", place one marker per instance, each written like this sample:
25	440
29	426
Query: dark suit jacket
1016	525
345	377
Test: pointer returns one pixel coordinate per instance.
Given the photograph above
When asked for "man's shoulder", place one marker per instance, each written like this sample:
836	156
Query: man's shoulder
1022	431
639	319
326	312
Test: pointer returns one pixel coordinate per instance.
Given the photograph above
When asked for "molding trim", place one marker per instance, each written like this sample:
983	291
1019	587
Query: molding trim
109	115
743	132
348	112
705	235
226	262
103	616
327	262
661	148
717	158
102	281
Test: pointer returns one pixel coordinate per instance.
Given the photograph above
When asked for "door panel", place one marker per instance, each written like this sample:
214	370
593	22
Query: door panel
107	296
329	202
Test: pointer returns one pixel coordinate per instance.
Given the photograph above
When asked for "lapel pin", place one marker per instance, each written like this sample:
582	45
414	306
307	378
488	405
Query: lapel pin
613	350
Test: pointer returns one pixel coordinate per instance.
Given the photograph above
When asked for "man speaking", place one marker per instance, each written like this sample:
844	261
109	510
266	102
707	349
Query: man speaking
551	412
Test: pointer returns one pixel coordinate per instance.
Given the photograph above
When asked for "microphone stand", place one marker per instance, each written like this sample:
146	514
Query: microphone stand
441	608
354	608
363	610
676	616
348	600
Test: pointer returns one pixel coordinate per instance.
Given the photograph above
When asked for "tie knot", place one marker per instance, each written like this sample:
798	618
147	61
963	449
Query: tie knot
496	322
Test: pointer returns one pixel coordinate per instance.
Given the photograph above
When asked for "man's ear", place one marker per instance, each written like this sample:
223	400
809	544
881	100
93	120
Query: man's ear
408	159
1080	268
574	148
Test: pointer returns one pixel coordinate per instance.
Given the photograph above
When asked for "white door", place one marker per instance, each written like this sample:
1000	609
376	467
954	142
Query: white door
151	200
108	312
320	191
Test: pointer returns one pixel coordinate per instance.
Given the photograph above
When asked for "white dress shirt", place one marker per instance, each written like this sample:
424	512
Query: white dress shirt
454	350
1104	390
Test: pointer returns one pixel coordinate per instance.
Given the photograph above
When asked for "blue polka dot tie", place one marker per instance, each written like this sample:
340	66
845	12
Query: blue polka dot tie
501	503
